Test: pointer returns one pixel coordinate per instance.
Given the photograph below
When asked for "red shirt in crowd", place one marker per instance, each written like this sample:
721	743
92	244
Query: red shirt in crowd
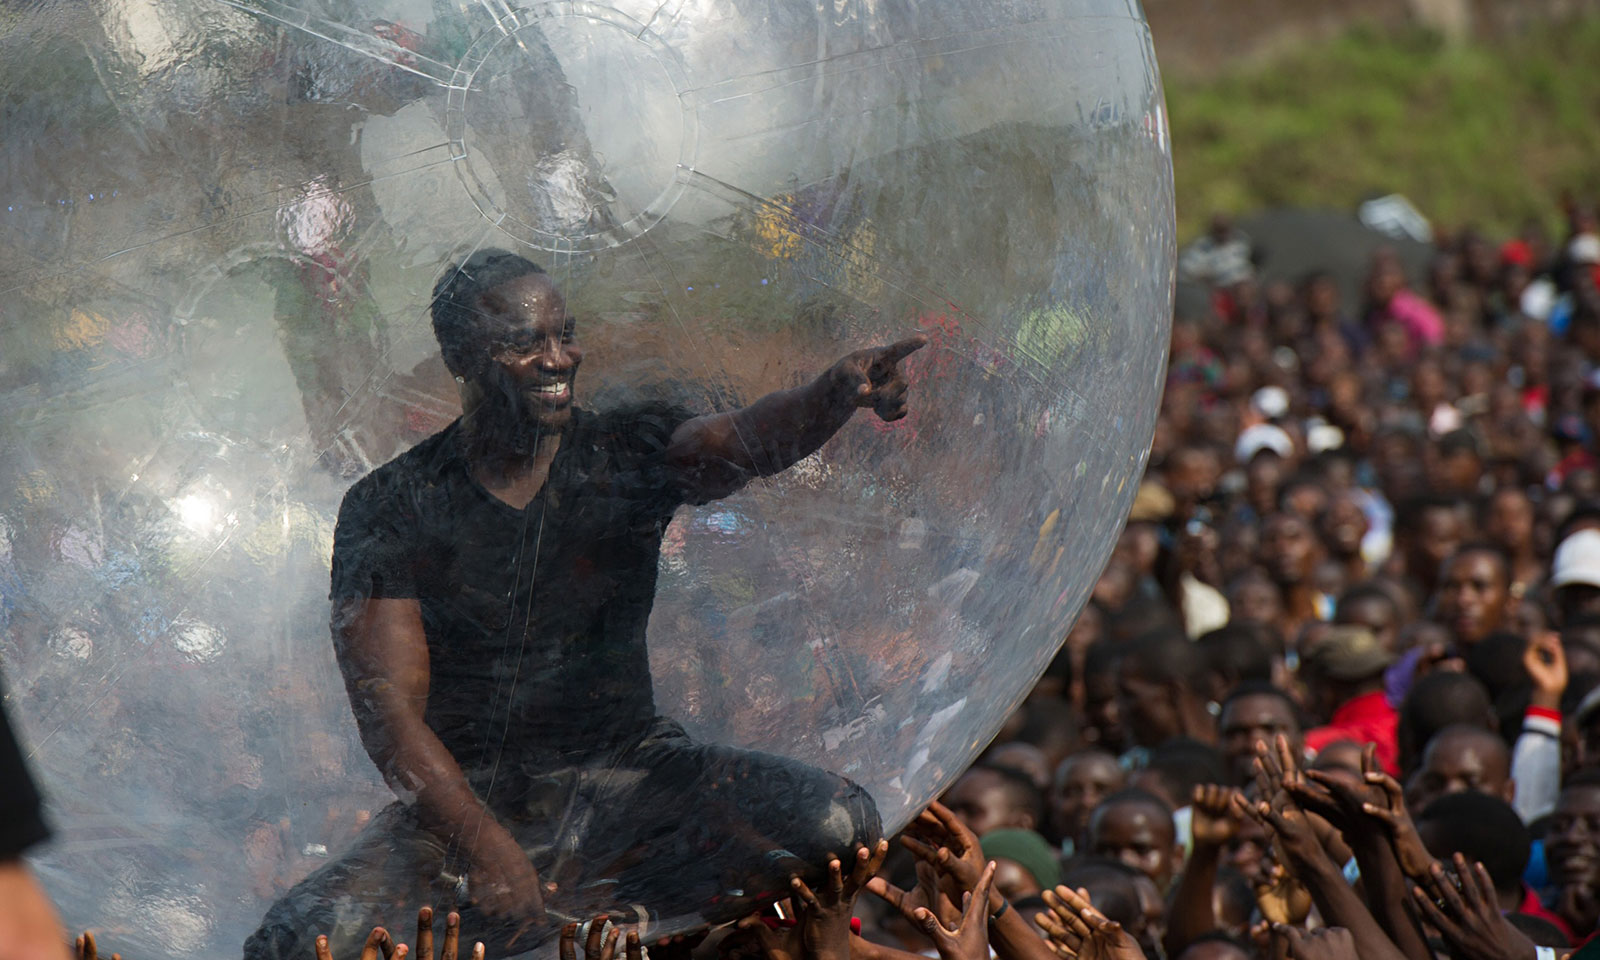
1364	719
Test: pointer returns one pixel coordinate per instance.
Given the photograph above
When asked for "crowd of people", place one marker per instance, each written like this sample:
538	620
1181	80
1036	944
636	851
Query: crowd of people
1337	691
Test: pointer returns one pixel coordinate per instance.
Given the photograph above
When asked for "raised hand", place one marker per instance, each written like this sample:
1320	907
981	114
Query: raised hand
1294	835
379	944
451	948
1080	932
825	915
1281	898
1324	943
1415	860
1214	822
86	949
927	894
1546	663
969	939
601	944
1469	919
872	377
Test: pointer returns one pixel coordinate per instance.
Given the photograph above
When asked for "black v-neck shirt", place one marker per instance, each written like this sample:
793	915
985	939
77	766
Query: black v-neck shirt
535	618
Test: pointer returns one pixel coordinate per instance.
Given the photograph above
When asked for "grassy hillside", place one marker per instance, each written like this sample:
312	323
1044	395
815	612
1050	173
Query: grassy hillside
1472	133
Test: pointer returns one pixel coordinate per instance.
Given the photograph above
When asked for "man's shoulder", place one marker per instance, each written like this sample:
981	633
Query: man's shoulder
421	466
639	425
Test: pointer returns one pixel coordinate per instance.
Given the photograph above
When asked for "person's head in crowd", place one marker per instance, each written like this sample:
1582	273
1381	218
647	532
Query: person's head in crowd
1580	641
1459	758
1025	865
1233	902
1081	782
1021	757
1234	654
1572	836
1427	532
1474	592
1158	683
1456	467
1135	827
988	798
1115	585
1496	662
1176	767
1255	712
1575	576
1254	597
1508	520
1113	888
1343	527
1581	730
1482	828
1191	476
1371	606
1217	945
1102	707
1348	662
1438	700
1290	550
1264	473
1053	727
1304	495
1340	756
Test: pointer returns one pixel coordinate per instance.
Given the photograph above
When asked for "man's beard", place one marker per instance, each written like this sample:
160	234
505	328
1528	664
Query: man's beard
512	420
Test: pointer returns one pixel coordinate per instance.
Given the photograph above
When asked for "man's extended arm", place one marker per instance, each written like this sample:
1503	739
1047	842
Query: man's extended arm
383	653
717	454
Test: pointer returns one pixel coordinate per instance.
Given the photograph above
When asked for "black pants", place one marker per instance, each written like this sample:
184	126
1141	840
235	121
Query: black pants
670	831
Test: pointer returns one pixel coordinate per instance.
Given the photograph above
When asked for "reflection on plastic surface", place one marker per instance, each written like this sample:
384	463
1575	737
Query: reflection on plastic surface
222	225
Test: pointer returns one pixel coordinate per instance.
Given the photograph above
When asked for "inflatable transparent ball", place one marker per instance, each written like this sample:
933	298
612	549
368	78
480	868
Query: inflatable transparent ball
223	225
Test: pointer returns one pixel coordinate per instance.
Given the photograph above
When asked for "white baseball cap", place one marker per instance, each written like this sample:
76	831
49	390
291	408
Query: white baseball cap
1262	436
1577	560
1270	402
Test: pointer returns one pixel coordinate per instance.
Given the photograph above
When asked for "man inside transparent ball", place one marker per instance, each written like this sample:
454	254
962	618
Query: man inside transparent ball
491	589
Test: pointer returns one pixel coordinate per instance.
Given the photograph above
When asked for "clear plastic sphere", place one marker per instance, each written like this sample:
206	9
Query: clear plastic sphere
222	229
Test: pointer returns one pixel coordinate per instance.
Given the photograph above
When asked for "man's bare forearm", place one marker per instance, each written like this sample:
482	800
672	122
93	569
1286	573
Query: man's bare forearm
767	437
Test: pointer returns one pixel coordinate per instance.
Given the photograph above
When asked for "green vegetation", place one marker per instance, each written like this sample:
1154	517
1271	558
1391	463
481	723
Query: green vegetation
1483	132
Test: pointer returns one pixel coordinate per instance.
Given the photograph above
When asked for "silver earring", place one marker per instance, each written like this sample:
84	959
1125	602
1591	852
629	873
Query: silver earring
460	379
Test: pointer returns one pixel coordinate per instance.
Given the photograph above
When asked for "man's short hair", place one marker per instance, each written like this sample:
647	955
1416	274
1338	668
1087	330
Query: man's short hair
1483	828
1114	881
1166	656
1438	700
1236	652
455	296
1183	763
1257	688
1133	796
1020	789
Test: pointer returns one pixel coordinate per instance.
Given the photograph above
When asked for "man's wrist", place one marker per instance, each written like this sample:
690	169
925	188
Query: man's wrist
1546	699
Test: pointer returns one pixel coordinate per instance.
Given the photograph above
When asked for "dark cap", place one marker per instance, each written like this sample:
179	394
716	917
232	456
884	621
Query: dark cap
1347	653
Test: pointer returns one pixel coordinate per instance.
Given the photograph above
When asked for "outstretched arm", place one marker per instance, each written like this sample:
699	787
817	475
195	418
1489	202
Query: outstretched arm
717	454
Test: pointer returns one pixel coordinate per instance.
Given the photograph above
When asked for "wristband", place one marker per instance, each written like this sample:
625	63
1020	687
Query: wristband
1006	905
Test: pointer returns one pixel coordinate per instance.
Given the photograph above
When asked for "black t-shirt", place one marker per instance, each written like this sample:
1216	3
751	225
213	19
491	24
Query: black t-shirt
535	618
